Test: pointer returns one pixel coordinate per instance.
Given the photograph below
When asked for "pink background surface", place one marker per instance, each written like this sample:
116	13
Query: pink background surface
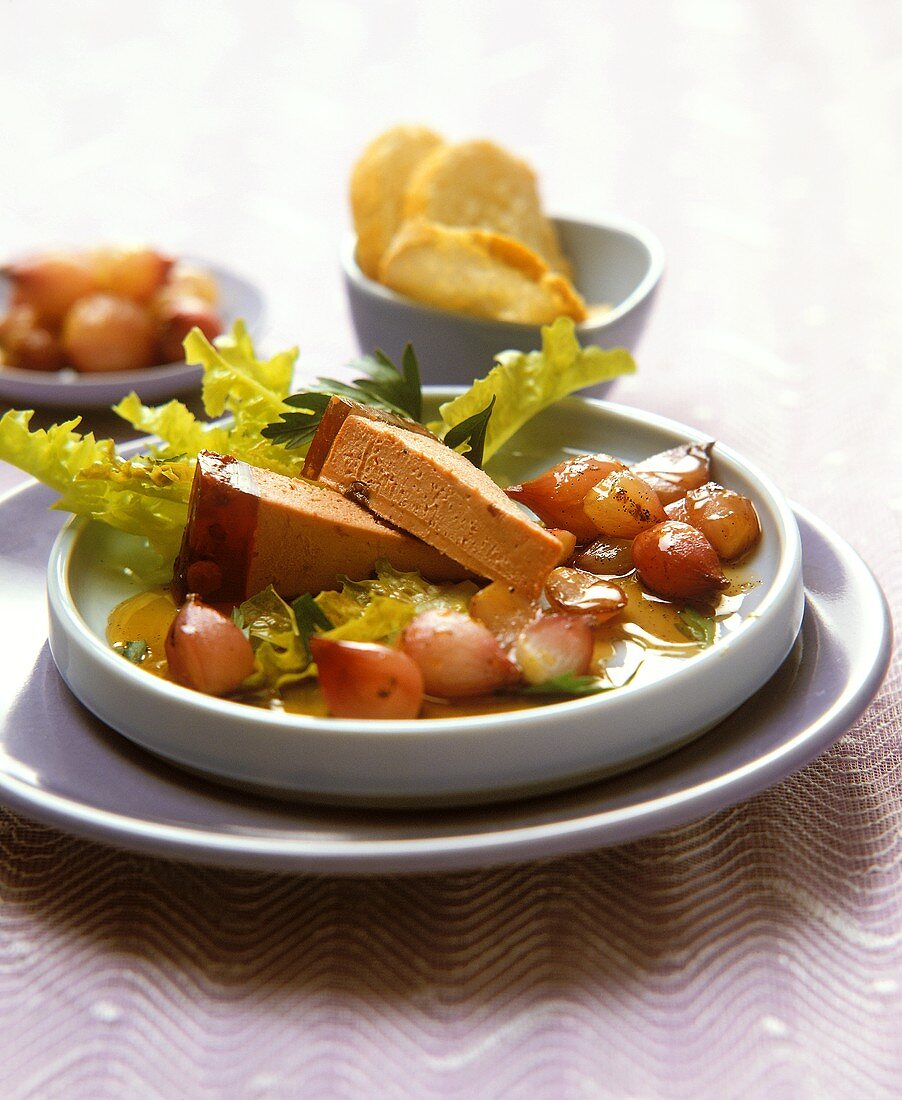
757	952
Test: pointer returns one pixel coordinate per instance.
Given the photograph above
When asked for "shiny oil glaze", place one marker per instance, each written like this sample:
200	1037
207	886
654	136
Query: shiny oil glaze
639	646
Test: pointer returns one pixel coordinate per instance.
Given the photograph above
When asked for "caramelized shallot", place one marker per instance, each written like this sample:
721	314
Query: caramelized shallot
727	519
50	284
131	271
366	680
567	540
574	590
177	317
206	651
28	345
504	610
676	561
674	472
457	655
606	557
557	496
677	510
555	645
622	505
104	332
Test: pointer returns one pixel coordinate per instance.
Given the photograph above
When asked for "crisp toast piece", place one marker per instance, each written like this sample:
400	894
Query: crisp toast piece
378	183
477	272
480	185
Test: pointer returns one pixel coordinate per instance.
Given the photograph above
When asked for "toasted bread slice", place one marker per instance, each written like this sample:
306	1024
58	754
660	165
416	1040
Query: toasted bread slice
478	272
479	184
378	183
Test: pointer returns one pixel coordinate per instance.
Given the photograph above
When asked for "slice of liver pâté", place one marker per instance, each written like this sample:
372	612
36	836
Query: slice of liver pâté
334	415
417	483
249	528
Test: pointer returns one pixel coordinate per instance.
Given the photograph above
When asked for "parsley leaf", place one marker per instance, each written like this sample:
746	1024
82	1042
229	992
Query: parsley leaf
472	432
386	386
568	684
309	617
296	429
135	651
699	628
382	384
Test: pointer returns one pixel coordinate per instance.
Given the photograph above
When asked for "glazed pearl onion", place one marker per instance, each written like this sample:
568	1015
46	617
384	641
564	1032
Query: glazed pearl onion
727	519
622	504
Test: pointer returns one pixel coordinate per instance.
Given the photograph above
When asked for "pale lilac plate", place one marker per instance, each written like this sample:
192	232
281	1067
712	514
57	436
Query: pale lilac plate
60	765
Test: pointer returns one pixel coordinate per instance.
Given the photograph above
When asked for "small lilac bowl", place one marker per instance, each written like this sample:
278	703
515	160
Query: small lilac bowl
617	267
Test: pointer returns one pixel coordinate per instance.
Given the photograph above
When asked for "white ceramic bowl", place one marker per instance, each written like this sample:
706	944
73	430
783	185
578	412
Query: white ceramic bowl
71	389
439	761
616	263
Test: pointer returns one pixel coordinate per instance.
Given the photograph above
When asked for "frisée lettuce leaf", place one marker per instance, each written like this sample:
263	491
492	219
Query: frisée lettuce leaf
523	383
174	425
55	455
280	653
248	390
410	588
143	496
147	495
374	610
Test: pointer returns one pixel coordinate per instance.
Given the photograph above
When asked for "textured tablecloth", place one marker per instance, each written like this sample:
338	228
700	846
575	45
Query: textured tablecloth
756	953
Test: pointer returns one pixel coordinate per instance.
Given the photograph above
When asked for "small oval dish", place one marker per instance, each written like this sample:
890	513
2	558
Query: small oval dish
70	389
617	267
481	758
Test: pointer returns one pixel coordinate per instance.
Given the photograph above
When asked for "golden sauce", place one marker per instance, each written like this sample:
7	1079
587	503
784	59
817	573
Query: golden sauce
638	646
145	617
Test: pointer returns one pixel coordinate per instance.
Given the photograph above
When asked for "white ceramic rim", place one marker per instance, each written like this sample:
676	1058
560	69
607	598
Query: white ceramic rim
595	325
